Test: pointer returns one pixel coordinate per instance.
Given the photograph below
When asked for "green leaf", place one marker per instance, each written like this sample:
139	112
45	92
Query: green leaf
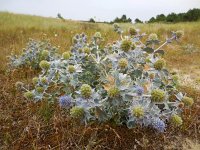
148	50
162	52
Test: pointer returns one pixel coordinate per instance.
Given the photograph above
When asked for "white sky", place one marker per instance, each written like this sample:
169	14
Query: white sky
103	10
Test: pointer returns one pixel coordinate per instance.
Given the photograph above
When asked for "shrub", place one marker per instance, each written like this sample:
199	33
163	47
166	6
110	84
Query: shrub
33	54
113	83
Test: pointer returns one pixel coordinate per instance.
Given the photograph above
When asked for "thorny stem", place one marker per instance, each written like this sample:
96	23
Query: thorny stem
121	36
166	42
161	46
142	43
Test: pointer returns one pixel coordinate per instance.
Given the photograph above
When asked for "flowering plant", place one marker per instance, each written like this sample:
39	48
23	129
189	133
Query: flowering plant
34	52
125	83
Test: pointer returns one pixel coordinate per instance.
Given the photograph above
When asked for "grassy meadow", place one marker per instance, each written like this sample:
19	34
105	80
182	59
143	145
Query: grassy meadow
28	125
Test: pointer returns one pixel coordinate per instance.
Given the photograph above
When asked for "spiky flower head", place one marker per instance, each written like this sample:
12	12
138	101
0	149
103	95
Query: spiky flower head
66	55
97	35
77	112
151	76
179	34
40	89
44	80
138	111
159	64
176	120
126	45
80	50
175	78
86	91
139	90
74	40
44	64
28	95
123	63
157	95
35	80
116	25
181	105
159	124
71	69
133	46
153	37
45	54
19	85
87	50
113	92
132	31
65	101
187	101
172	98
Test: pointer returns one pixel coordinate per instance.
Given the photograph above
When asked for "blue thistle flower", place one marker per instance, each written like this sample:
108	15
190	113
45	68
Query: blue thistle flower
65	101
159	124
139	90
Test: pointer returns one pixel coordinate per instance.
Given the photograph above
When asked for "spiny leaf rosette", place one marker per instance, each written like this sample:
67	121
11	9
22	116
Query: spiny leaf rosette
125	82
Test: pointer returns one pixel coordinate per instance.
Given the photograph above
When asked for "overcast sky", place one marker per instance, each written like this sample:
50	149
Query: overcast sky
102	10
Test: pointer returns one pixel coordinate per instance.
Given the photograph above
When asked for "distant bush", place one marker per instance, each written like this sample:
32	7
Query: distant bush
138	20
60	17
92	20
122	83
123	19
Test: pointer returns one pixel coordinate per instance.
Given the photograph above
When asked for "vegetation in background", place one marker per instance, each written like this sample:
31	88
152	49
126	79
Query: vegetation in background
189	16
60	17
123	19
92	20
138	20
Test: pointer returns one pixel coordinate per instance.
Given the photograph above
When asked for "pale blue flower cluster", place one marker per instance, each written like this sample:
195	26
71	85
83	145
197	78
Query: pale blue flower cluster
65	101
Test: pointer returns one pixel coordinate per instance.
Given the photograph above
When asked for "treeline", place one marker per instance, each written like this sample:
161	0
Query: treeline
122	19
191	15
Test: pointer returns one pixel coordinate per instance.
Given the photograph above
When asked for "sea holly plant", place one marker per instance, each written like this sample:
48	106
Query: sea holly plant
31	56
123	83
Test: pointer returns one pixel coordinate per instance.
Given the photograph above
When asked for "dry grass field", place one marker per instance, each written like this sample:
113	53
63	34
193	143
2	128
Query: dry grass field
28	125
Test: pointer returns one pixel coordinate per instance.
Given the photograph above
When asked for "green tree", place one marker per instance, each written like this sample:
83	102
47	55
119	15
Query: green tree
152	20
138	20
160	17
92	20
